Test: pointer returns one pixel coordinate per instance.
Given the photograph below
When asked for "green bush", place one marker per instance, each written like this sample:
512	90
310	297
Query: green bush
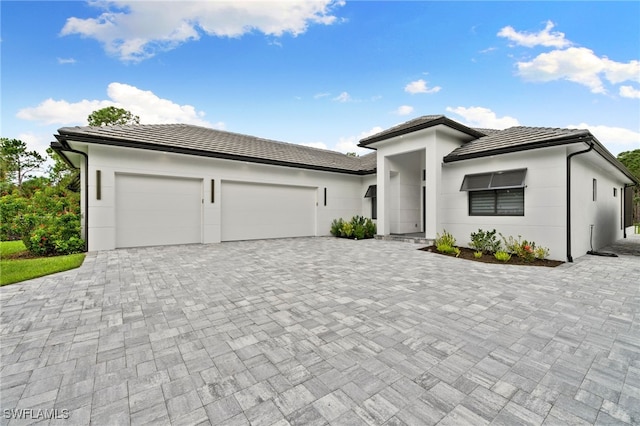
48	222
502	256
358	228
446	239
445	248
12	207
336	226
485	241
524	249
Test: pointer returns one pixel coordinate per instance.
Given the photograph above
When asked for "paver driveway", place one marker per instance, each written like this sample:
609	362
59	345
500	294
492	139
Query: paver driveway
322	331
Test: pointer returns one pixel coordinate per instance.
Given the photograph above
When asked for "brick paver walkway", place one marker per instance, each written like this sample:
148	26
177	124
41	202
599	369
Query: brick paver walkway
323	331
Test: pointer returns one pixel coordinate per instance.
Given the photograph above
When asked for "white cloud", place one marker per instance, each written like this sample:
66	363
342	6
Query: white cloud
350	143
135	30
579	65
343	97
616	139
542	38
63	61
629	92
420	86
483	118
321	95
404	110
148	106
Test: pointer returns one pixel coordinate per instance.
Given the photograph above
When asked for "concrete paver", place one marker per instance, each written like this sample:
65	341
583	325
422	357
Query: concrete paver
322	331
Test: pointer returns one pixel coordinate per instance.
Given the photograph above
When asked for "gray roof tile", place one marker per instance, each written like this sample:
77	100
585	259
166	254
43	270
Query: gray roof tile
203	141
513	139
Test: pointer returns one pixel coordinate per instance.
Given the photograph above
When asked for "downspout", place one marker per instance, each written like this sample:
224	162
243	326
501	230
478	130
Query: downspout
65	147
591	145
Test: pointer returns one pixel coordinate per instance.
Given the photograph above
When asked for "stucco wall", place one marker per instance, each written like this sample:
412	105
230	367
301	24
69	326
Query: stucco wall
344	191
544	199
605	213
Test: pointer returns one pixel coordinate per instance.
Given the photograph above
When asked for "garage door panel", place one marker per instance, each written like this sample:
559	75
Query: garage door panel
157	210
259	211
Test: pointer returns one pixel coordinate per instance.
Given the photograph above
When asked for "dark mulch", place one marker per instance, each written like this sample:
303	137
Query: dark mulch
23	255
467	253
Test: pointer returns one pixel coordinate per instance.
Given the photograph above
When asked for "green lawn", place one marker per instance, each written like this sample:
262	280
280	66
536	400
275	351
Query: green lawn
16	270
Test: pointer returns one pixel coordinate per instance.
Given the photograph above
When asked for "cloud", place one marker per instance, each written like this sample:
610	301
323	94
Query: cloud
350	143
579	65
615	139
135	30
483	118
148	106
321	95
542	38
629	92
420	86
63	61
343	97
403	110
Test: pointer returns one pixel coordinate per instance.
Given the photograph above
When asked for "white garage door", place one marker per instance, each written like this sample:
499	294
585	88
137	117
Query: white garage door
253	211
155	210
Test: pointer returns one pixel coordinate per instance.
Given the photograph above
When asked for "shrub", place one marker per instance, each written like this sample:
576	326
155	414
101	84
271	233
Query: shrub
336	226
502	256
477	254
359	227
457	251
346	230
485	241
48	223
524	249
445	248
446	239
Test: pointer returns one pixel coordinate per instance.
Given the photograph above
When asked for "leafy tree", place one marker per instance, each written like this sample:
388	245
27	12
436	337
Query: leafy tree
631	159
112	116
16	163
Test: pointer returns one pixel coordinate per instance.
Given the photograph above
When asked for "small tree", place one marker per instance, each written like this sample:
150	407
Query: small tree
112	116
16	163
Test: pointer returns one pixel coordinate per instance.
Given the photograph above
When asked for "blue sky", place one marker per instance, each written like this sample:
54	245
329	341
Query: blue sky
322	73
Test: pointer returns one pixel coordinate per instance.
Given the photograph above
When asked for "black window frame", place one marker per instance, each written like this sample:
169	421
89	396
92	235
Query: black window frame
490	187
372	192
496	202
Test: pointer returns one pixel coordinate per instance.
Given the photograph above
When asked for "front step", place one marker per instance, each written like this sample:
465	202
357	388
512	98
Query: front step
406	239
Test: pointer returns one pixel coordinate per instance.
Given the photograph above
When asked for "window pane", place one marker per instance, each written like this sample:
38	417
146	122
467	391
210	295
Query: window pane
476	182
482	203
508	179
510	202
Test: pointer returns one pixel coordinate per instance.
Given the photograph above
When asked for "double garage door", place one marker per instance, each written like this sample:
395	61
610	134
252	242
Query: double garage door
156	210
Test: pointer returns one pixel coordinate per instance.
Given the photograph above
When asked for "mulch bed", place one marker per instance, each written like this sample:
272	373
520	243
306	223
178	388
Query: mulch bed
467	253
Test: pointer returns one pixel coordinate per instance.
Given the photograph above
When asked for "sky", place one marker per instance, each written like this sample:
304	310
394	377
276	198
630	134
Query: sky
323	73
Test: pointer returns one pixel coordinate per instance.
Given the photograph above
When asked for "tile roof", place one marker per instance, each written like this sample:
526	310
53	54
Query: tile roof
196	140
515	139
418	124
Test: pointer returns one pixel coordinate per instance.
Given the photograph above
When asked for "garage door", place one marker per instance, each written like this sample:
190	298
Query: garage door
255	211
155	210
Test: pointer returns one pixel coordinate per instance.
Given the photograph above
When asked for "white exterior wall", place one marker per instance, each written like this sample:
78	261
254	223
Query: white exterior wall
344	191
605	213
544	219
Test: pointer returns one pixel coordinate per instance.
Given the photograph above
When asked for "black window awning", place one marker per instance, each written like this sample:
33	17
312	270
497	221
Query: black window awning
372	191
494	180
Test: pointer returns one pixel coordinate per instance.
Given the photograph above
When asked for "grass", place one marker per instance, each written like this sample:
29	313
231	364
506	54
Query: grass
16	270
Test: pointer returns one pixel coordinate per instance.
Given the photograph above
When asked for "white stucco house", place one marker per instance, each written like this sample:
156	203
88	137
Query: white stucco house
148	185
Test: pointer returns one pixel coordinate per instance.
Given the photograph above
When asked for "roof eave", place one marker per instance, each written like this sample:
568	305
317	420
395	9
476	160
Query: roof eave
66	137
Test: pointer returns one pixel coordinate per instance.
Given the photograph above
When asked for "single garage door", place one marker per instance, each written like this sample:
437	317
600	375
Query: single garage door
253	211
156	210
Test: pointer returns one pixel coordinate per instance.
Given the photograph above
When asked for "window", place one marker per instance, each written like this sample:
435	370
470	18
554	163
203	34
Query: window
496	193
595	189
372	193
